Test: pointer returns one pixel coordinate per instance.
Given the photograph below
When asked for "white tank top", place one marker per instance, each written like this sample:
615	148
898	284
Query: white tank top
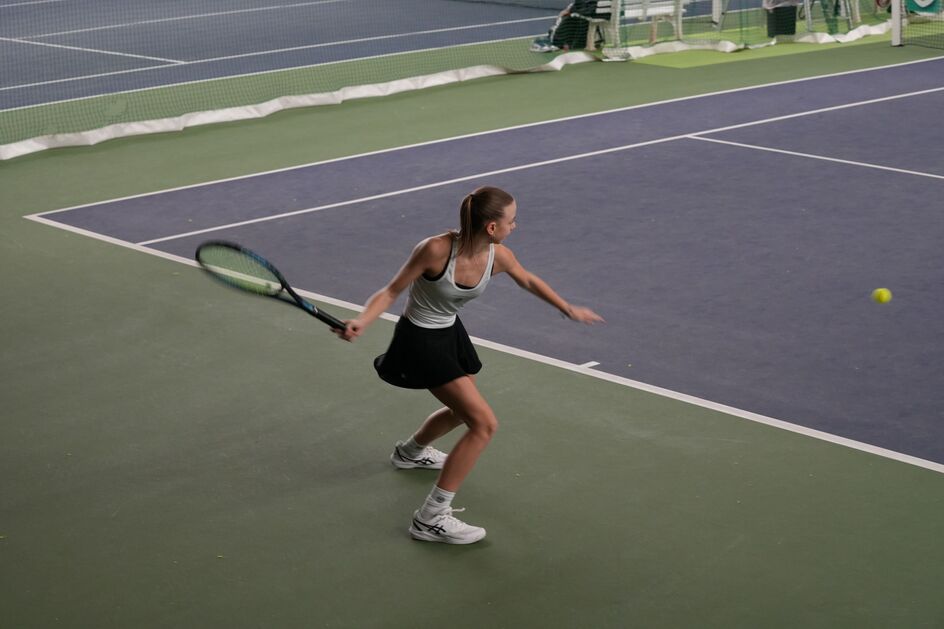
434	303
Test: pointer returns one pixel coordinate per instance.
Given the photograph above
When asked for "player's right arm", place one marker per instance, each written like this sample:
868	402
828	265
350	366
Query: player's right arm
427	257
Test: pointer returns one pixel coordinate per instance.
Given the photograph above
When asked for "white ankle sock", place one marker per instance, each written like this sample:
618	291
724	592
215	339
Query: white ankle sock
438	501
411	448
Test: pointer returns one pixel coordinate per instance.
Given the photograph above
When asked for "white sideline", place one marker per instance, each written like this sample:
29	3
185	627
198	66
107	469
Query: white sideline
558	160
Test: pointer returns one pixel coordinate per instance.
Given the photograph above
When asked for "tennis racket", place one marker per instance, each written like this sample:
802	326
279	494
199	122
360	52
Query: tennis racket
236	266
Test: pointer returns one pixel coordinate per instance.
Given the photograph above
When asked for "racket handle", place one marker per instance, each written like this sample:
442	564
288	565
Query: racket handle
334	322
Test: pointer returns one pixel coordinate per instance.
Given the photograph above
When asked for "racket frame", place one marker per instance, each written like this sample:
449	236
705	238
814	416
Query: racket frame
296	299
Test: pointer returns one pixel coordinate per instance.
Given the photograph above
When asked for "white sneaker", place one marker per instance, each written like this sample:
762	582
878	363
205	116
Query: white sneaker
445	528
430	458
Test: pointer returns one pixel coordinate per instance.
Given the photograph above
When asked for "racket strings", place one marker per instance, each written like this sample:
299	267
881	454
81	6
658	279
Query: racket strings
239	269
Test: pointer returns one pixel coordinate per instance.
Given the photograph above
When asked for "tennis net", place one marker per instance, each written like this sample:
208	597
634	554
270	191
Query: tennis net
921	23
653	26
76	73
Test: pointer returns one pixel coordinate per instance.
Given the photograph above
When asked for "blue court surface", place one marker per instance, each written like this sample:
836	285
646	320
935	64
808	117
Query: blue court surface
721	276
67	49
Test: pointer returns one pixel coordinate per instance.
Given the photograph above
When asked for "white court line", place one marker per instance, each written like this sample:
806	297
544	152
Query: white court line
23	4
93	50
502	171
860	103
460	137
561	364
182	17
254	54
86	77
589	364
394	193
820	157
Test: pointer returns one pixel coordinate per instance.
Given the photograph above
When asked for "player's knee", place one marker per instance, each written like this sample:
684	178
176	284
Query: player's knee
483	423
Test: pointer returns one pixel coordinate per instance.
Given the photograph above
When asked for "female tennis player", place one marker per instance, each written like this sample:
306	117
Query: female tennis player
431	349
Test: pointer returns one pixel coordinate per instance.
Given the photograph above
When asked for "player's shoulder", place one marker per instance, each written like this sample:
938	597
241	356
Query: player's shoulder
502	250
440	244
433	250
504	258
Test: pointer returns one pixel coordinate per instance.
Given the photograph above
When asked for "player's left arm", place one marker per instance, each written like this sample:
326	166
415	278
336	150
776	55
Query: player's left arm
506	262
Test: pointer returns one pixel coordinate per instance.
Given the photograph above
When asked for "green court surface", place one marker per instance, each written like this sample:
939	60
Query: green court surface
176	455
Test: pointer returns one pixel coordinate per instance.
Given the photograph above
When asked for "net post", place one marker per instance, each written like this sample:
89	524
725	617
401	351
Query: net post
897	16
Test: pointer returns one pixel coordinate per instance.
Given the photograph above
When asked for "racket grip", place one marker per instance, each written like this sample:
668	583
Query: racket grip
334	322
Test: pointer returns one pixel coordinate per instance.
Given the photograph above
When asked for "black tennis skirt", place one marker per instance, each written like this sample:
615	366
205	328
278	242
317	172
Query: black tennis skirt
424	358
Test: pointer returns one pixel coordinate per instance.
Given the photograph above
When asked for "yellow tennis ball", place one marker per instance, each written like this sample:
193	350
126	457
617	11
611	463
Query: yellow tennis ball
881	295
